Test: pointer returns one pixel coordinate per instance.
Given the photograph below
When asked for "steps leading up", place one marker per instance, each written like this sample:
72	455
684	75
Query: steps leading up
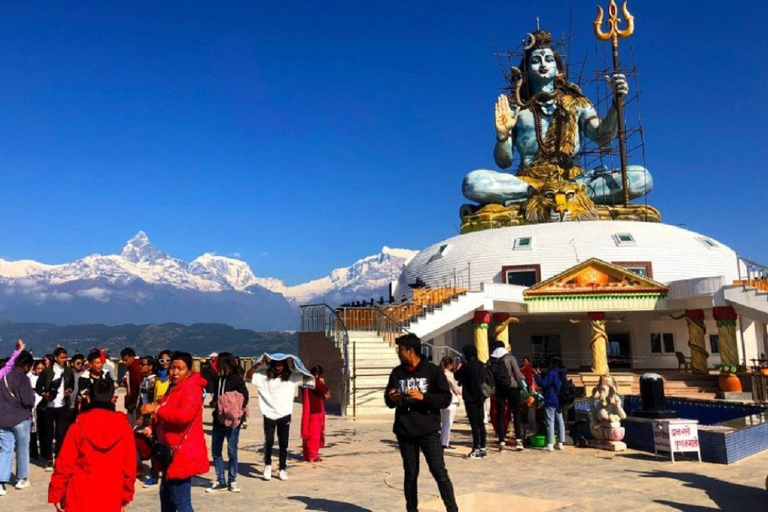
373	360
676	384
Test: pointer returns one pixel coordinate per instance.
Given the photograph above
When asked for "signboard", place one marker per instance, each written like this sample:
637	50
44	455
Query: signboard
677	435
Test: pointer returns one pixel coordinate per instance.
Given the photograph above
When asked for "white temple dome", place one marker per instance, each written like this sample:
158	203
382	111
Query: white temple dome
674	253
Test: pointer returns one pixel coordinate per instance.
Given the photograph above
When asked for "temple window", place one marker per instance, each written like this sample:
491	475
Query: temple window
523	243
543	347
641	268
624	239
708	242
662	343
714	344
521	275
439	254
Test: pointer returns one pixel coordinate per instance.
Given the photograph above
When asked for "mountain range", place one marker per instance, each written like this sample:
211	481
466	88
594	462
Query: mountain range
144	285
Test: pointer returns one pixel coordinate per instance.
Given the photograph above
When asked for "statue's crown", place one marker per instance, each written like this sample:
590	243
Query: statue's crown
540	38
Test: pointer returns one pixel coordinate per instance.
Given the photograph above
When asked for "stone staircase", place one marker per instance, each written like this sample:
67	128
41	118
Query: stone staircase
444	317
372	362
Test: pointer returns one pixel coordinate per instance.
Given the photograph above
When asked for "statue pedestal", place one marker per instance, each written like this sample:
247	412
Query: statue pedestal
611	446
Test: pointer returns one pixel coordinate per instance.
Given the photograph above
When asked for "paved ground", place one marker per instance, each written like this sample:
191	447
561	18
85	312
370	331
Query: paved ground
361	473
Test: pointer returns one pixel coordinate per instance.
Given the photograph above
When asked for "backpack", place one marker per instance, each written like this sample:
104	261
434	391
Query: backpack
501	377
567	393
488	386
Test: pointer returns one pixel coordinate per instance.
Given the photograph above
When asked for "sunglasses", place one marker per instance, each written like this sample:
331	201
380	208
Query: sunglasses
163	361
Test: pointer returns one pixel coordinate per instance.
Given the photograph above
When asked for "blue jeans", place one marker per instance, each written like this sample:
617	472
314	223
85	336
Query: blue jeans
16	439
232	435
555	414
176	495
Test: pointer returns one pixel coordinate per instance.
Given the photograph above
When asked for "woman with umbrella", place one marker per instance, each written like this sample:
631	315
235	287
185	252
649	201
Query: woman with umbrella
276	378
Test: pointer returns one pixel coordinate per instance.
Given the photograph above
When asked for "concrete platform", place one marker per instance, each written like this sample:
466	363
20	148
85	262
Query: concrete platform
361	472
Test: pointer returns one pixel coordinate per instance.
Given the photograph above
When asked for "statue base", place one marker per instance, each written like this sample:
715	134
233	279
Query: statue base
611	446
491	216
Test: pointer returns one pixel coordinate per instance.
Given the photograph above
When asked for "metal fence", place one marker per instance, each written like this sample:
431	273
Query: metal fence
323	318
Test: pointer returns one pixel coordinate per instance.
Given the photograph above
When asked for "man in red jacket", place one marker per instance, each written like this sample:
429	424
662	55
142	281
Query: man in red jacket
131	381
99	453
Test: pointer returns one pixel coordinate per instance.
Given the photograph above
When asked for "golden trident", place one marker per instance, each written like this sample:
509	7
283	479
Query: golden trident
614	34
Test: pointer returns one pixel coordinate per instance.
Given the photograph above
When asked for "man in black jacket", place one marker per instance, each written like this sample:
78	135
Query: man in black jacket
417	390
55	385
471	376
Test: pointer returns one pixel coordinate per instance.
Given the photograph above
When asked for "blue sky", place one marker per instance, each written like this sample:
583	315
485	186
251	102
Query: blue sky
305	135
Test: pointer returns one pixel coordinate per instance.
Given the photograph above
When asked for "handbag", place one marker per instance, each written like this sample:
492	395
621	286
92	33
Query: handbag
163	454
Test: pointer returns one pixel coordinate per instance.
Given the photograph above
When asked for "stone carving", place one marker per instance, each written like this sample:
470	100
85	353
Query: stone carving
606	413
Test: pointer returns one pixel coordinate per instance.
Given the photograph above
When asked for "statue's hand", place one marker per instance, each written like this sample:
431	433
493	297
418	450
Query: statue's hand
505	119
618	84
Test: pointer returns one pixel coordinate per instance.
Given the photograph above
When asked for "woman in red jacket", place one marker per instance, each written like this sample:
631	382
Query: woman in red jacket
179	425
96	467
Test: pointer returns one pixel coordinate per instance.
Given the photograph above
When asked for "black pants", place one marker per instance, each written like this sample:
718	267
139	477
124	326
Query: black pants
508	396
283	429
52	423
433	454
476	415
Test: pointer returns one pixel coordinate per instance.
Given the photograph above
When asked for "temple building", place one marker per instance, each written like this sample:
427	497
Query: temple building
645	289
554	259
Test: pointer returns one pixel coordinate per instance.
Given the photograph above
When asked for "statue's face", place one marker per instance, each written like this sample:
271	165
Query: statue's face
542	66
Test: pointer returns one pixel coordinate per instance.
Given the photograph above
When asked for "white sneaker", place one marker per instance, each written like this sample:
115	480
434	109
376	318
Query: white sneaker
267	475
217	486
233	487
559	446
519	445
2	490
22	484
282	475
549	448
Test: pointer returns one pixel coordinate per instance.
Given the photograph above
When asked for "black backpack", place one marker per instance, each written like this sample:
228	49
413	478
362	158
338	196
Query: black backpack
487	386
567	394
501	377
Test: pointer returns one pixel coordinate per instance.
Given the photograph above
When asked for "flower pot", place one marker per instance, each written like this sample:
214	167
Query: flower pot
729	383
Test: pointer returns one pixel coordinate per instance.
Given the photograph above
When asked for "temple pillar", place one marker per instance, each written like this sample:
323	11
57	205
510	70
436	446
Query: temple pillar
725	316
480	323
500	328
598	343
696	330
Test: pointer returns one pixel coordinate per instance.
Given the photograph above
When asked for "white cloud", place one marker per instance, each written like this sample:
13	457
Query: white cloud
97	294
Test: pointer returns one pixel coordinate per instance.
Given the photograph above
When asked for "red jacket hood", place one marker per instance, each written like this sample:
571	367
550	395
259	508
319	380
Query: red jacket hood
102	428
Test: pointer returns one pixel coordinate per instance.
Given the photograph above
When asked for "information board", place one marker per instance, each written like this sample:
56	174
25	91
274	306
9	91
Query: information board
676	435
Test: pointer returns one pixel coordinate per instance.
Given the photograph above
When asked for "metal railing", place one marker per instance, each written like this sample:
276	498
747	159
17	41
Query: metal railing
323	318
756	274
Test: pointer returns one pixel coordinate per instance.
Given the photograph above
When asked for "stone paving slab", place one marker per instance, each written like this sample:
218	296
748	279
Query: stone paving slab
361	472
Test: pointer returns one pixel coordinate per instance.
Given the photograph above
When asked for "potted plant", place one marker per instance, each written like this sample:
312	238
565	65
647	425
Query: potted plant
728	380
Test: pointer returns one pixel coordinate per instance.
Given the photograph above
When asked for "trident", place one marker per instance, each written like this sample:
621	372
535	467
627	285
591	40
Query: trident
614	34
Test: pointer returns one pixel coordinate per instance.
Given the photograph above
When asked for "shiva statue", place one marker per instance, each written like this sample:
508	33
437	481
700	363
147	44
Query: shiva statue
546	127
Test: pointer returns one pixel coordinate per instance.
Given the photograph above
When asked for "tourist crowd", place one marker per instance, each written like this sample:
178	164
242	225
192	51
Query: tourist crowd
62	412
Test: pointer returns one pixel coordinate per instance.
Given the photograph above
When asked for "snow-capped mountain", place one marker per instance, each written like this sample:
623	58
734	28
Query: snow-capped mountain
143	284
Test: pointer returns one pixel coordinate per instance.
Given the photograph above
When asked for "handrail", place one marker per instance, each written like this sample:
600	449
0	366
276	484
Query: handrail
431	349
757	275
427	349
330	327
398	325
